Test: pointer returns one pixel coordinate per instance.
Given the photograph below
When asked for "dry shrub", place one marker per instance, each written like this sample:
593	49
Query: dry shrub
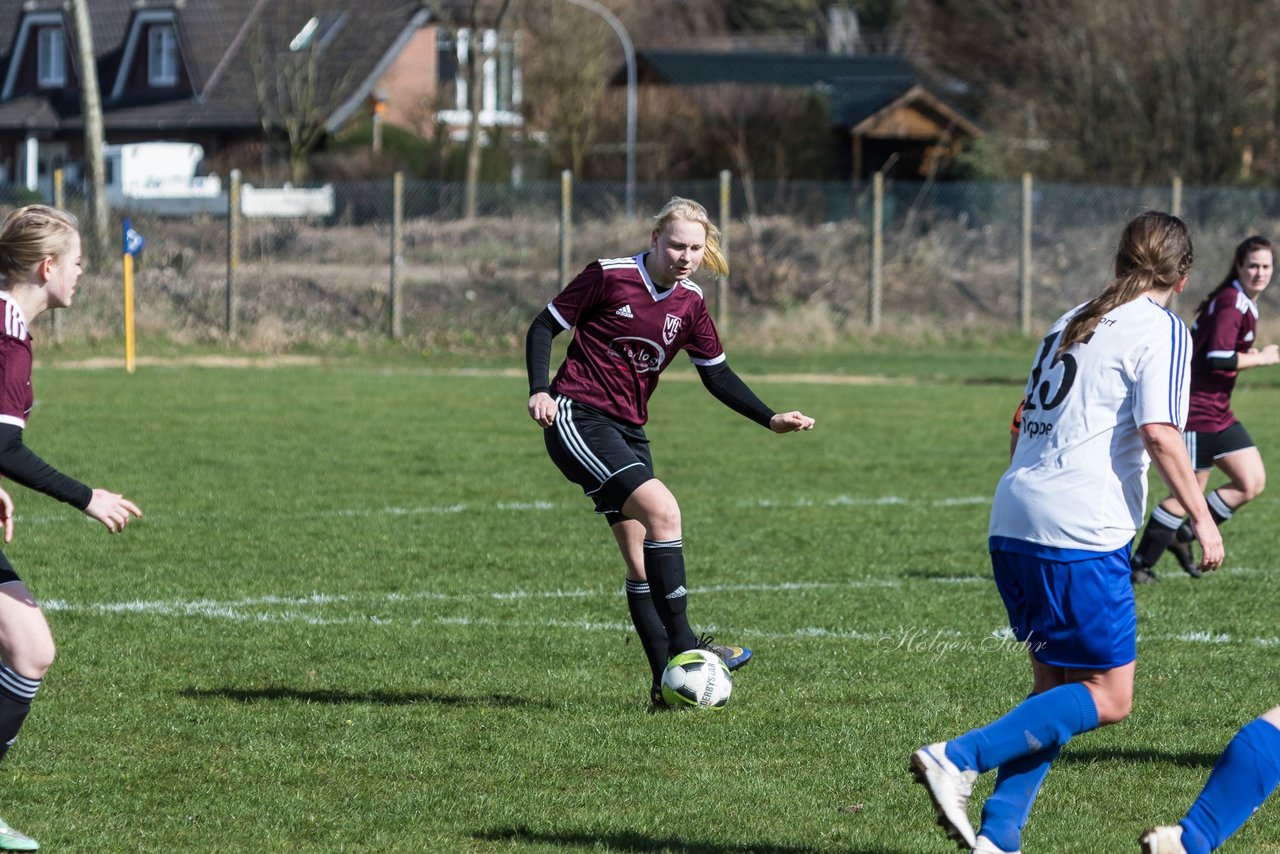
477	285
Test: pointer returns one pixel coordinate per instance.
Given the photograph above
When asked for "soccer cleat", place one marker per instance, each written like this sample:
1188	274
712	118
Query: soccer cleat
1162	840
1140	573
986	846
1182	552
655	697
949	789
12	840
732	656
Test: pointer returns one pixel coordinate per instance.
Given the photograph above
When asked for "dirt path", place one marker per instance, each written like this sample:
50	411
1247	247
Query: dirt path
286	361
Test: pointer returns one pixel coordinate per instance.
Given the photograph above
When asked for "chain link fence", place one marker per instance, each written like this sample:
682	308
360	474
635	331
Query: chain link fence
953	257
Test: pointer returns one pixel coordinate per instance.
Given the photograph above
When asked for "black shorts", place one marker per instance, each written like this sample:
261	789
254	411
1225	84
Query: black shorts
607	458
7	572
1207	448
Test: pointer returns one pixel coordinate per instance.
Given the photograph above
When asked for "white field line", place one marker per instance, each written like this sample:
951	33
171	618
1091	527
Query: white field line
526	506
302	610
462	507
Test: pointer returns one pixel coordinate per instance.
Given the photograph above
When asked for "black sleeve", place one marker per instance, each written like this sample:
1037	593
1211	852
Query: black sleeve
537	350
1224	363
19	463
728	388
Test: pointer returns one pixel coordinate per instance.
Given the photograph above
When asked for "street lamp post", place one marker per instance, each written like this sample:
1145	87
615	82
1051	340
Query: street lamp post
630	53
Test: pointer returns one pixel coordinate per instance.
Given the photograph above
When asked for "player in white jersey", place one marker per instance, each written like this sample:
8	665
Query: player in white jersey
1106	396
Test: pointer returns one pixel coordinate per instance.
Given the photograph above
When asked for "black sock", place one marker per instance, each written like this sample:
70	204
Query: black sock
1186	534
653	635
1218	508
16	694
1160	531
664	566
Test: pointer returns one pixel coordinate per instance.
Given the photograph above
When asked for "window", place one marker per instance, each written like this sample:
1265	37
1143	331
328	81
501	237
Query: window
499	76
162	56
51	57
446	58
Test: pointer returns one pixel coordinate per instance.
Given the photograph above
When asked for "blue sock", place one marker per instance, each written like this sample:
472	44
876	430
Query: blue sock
1245	774
1005	812
1038	723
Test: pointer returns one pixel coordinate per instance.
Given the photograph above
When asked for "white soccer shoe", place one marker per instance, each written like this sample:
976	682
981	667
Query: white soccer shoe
1162	840
986	846
12	840
949	789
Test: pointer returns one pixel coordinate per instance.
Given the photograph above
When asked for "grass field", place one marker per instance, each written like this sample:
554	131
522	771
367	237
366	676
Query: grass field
365	611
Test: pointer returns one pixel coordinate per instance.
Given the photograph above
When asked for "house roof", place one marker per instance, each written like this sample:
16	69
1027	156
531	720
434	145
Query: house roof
221	43
858	87
760	68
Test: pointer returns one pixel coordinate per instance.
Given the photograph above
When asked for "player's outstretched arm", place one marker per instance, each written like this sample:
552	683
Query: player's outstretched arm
111	509
1268	355
790	422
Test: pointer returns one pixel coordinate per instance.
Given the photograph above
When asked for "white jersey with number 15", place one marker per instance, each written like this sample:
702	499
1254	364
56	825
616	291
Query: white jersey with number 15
1078	478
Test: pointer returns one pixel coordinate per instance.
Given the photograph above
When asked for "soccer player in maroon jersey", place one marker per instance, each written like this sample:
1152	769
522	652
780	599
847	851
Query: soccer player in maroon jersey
39	263
1224	343
631	316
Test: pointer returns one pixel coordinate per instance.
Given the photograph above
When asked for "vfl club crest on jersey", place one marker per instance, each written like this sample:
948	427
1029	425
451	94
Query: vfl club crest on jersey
643	355
670	329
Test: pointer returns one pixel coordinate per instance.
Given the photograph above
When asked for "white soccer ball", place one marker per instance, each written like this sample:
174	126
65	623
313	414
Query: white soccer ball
697	679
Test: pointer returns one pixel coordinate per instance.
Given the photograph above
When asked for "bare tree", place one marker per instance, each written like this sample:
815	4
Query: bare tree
1125	92
765	132
563	97
91	109
298	87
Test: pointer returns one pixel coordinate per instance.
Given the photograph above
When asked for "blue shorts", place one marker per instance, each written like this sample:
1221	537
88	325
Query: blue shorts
1071	608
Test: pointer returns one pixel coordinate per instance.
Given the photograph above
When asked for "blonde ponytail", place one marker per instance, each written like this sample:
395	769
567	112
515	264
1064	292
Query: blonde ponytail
1154	254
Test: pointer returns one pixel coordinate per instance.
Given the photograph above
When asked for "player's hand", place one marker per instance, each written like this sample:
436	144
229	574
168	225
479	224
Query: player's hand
1270	354
790	422
542	408
1211	550
6	515
111	510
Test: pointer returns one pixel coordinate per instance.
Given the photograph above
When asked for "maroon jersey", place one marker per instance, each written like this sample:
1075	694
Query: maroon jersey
626	333
16	396
1227	325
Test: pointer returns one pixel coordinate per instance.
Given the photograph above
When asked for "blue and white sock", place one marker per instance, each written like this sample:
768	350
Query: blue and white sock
1244	776
1042	722
1005	812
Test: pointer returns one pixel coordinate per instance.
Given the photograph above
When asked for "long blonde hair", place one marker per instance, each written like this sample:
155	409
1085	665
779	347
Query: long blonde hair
687	209
29	235
1154	254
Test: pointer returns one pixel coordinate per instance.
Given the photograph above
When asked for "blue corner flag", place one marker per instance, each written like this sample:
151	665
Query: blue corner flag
133	241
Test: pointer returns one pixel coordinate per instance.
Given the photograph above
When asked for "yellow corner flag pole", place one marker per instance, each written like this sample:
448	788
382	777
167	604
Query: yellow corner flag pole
132	246
128	313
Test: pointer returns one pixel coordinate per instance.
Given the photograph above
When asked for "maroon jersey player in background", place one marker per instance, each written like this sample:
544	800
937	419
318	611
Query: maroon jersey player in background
631	316
1223	341
39	263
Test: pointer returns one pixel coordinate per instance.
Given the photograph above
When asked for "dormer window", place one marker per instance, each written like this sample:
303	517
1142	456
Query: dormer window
51	58
162	56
